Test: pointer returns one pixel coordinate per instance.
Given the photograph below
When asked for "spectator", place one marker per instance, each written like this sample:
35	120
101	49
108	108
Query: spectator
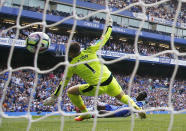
17	96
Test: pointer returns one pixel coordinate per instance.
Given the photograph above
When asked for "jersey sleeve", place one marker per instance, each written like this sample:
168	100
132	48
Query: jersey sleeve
102	41
67	79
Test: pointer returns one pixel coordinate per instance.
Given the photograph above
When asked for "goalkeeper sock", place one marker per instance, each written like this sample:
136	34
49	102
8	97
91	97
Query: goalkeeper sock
77	101
126	99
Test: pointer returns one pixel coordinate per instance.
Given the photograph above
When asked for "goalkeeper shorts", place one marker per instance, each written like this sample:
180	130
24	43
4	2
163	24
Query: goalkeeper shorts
110	87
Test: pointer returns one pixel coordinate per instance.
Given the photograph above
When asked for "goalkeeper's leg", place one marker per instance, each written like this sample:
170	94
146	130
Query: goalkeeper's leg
114	89
74	95
126	100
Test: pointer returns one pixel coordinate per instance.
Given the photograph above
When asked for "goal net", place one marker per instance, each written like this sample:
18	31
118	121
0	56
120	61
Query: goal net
34	73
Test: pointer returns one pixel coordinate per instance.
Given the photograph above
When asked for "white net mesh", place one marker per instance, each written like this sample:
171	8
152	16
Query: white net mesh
67	64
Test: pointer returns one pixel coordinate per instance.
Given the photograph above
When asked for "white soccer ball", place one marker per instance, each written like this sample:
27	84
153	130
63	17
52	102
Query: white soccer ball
33	40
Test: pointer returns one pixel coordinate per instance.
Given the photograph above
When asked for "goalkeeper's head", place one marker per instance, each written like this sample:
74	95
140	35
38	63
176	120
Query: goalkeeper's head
74	49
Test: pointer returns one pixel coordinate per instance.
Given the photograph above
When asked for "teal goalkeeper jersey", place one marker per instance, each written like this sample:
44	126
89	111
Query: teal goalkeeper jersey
90	72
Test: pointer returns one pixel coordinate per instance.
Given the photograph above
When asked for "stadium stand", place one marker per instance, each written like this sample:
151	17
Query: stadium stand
164	11
22	82
124	46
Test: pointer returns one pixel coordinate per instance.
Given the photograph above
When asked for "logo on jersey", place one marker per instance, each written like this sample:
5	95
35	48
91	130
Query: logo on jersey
82	57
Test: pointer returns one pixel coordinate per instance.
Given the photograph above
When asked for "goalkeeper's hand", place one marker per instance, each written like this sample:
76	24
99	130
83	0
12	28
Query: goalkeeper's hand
50	100
110	21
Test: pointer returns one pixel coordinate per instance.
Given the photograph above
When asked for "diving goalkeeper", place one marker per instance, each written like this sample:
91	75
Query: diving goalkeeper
91	73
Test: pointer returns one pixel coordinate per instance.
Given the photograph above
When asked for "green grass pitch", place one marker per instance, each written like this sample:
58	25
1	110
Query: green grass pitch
152	123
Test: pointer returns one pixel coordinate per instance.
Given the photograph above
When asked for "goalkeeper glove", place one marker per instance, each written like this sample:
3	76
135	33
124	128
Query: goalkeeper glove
110	21
50	100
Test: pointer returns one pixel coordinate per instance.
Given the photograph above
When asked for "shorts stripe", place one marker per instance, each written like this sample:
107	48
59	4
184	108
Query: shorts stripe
88	89
105	83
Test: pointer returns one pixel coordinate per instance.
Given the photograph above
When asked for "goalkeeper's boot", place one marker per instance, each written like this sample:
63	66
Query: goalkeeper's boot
50	100
83	117
142	114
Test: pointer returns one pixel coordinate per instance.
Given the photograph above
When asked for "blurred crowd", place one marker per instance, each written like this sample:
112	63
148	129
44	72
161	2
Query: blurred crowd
21	84
64	14
165	11
114	44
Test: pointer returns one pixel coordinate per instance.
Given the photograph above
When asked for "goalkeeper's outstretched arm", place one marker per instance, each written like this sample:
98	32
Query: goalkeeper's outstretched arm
57	91
104	38
51	100
67	79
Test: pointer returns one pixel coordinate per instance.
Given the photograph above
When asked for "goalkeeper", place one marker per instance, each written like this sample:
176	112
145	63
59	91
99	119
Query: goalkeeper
91	73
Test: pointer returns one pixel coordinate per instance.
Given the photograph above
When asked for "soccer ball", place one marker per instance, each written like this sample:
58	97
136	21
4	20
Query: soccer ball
33	40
